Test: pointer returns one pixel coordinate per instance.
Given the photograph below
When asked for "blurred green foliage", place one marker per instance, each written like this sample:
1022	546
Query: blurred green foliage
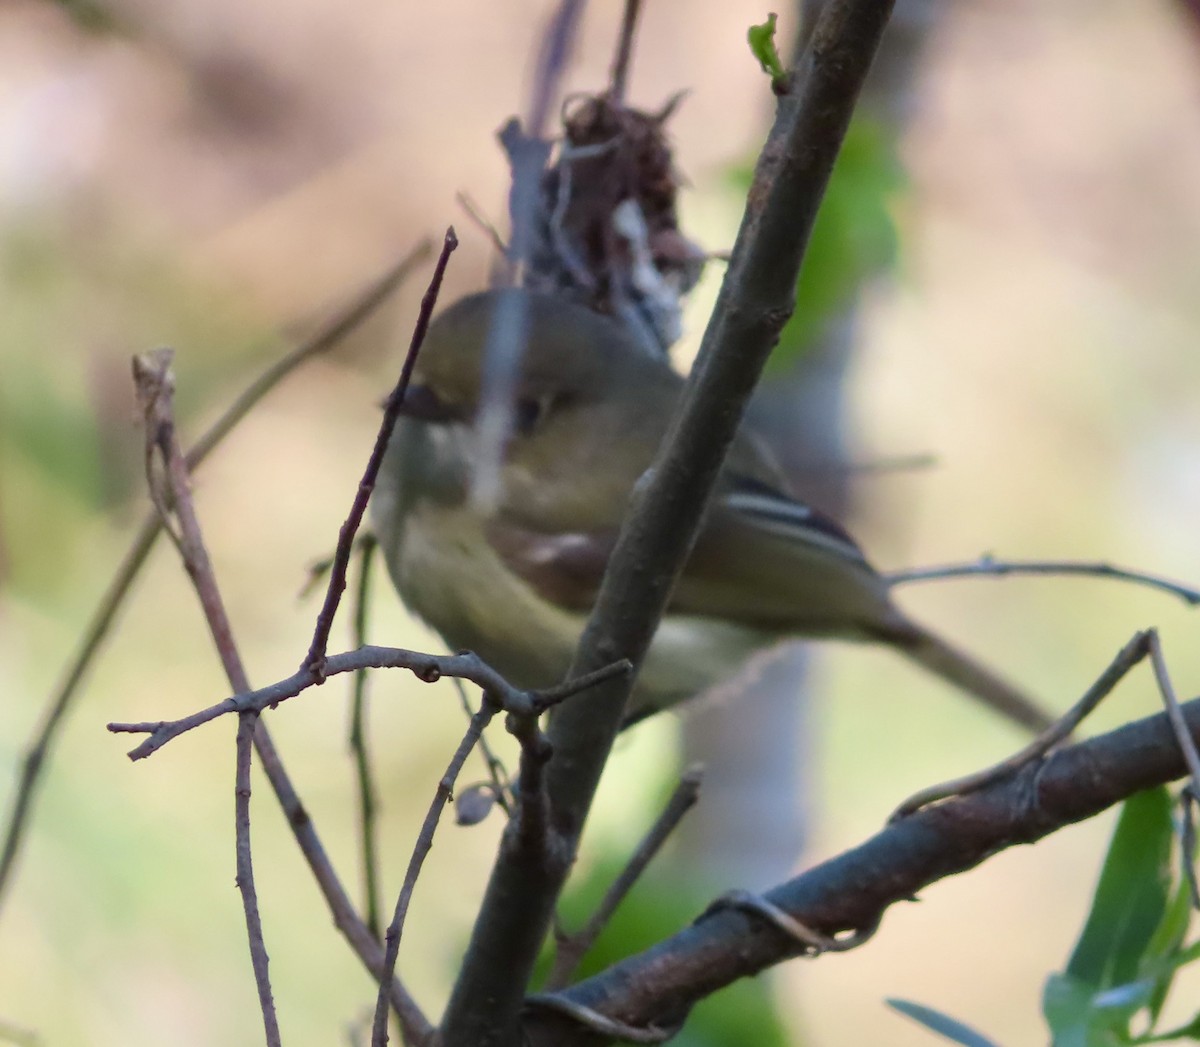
76	309
660	904
92	17
854	238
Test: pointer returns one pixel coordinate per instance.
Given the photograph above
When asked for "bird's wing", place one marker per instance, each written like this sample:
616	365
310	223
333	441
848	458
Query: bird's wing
766	559
763	558
564	569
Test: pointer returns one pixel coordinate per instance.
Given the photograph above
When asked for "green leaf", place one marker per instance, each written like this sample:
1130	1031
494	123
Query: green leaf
1163	956
1079	1016
1131	897
945	1026
762	46
1066	1005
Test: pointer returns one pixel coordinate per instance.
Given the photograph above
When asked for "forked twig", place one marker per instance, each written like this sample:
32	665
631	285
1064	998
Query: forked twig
327	337
415	1026
1129	656
426	667
155	384
852	889
315	659
497	772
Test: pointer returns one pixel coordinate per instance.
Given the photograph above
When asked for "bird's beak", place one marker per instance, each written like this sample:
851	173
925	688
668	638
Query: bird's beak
423	403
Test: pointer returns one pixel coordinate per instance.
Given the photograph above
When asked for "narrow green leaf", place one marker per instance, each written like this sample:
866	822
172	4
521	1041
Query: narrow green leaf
1066	1005
1131	897
1163	957
945	1026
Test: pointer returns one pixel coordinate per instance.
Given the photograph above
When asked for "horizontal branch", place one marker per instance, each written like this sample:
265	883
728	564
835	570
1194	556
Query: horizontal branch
852	890
426	667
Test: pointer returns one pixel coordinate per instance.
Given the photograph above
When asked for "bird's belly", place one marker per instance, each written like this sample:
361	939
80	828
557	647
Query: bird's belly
449	576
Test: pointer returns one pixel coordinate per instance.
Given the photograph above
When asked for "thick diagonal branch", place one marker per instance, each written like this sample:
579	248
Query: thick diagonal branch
756	299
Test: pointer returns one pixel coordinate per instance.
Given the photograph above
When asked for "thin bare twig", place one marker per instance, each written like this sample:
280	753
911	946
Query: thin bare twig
1163	678
327	337
414	1026
619	78
315	659
989	566
360	748
570	949
259	960
155	384
475	213
497	772
1190	795
445	790
1129	656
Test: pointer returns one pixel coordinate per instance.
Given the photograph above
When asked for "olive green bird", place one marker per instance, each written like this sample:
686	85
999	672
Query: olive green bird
514	581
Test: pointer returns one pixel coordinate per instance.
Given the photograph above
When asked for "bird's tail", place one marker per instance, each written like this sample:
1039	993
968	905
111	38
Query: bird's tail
960	669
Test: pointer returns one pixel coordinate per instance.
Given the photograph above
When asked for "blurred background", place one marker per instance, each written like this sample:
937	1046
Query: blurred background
219	177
